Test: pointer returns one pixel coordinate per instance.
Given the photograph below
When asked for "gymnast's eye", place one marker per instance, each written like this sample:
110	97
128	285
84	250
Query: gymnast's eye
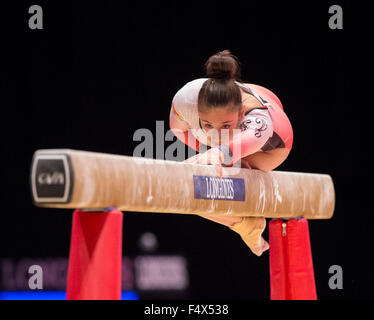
226	126
207	125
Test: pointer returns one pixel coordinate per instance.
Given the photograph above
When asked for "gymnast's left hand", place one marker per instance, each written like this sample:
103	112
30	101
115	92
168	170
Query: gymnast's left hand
213	156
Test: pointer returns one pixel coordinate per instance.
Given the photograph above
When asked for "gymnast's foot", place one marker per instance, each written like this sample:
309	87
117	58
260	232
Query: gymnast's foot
250	229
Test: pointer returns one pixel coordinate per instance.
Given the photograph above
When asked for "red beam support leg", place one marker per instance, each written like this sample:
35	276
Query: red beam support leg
291	262
95	260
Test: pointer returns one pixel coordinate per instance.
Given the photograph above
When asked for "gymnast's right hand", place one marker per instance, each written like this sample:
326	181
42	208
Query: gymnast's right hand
213	156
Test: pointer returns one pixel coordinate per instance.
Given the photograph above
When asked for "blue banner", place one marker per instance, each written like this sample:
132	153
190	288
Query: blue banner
207	187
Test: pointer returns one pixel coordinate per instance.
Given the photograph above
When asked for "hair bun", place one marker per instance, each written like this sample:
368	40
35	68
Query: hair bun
222	65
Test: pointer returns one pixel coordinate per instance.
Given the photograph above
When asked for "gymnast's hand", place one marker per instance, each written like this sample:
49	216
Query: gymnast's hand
213	156
245	163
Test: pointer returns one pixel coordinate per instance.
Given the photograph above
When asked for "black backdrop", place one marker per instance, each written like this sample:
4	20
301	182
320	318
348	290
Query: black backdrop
99	71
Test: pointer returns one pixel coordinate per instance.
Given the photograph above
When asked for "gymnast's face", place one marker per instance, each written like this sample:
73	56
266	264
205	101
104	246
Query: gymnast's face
222	120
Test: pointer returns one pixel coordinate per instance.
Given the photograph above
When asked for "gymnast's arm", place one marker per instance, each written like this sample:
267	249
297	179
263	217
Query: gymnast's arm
181	130
257	128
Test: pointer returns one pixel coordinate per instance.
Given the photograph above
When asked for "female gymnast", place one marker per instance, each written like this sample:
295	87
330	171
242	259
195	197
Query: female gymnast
229	123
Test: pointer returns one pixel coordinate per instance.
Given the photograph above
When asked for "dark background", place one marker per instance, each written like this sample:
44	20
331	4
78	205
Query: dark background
99	71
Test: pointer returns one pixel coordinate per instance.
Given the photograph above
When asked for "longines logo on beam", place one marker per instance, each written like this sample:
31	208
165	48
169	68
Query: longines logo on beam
51	178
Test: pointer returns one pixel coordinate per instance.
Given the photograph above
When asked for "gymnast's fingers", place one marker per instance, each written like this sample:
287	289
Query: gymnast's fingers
245	164
191	160
219	170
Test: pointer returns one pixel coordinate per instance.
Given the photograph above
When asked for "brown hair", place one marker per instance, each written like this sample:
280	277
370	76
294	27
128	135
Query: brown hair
220	89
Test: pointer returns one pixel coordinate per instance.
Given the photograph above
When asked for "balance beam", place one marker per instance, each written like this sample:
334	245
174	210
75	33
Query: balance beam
64	178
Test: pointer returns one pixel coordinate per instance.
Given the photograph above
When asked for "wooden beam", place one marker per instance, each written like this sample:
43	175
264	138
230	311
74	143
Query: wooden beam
63	178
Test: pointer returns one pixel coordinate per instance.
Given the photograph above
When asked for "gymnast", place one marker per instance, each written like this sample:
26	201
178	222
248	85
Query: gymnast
228	123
